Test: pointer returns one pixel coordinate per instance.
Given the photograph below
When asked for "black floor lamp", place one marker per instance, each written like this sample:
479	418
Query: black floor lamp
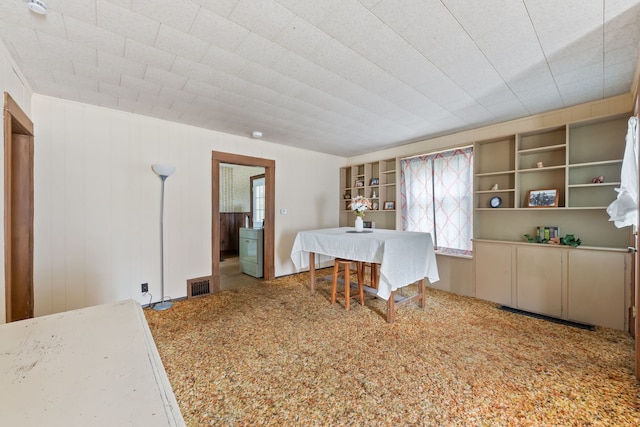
163	171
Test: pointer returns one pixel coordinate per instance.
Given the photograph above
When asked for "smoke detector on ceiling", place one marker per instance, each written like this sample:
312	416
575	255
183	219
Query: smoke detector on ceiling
38	7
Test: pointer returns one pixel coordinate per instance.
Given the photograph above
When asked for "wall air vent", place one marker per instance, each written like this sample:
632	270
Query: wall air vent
198	287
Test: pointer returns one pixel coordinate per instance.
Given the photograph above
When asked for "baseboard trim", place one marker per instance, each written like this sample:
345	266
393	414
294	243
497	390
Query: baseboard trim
548	318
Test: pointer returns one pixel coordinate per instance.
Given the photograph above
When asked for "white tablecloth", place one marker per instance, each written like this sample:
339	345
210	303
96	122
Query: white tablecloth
404	256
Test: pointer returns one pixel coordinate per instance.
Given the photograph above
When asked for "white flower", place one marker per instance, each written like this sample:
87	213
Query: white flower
359	204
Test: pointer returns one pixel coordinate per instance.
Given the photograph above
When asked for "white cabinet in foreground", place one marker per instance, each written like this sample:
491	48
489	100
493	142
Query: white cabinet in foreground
96	366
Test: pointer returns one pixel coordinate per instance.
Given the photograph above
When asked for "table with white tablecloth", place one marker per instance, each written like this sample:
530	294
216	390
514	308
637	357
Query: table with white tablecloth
404	257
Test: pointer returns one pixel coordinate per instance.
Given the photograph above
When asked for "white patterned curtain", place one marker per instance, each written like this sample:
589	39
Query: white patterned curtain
437	197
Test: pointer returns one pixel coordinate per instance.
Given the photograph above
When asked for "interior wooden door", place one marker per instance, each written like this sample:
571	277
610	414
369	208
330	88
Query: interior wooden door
18	214
21	245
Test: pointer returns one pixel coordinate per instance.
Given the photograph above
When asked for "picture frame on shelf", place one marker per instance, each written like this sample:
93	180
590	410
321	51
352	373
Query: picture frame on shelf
359	183
375	181
544	198
375	206
389	205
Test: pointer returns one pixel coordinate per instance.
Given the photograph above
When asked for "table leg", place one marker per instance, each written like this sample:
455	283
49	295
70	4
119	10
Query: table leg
423	296
391	306
312	272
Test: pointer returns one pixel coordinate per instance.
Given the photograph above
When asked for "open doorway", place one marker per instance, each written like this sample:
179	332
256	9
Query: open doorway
218	158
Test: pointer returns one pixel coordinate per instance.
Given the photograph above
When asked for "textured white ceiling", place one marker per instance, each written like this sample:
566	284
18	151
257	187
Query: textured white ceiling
338	76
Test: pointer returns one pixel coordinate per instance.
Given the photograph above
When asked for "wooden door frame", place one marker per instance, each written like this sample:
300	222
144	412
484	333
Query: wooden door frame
218	157
15	122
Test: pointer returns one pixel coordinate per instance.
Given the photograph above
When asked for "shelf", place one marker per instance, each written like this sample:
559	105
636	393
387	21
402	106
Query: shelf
505	190
602	184
543	149
581	247
571	156
543	169
592	164
494	173
384	171
559	208
600	140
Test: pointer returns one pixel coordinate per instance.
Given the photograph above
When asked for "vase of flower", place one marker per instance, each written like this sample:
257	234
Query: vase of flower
358	205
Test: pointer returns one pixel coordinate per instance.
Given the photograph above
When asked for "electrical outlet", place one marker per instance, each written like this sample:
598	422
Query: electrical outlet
144	288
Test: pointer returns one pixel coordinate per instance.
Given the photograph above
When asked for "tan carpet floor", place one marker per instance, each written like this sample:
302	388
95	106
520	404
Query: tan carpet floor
274	354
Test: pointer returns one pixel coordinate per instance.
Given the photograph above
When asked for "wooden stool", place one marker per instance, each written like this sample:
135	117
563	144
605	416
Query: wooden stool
373	273
346	265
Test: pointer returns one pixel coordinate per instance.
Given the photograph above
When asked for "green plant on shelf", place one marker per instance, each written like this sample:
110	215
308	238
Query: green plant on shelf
568	240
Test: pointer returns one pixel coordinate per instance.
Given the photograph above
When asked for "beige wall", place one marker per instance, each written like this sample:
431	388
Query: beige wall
11	81
97	202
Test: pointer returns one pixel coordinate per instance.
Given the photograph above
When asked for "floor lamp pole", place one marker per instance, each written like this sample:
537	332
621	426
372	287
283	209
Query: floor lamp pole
164	174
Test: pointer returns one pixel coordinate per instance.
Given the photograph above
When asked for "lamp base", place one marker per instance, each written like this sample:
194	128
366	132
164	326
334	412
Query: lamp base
163	305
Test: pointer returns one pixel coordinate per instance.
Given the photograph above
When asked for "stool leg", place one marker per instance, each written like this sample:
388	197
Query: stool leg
347	286
334	285
374	275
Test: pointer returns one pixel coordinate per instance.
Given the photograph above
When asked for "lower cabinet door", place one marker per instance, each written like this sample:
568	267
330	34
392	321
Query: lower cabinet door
596	288
539	280
492	264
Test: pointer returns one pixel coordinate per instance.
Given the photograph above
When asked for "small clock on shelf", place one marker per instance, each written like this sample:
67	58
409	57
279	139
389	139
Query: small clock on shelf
495	202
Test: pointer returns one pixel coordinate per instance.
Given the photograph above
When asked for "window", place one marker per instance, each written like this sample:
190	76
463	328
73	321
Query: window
437	197
257	200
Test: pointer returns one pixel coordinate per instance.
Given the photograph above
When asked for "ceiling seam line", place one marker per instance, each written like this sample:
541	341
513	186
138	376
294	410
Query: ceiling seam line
546	60
473	40
379	67
374	64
